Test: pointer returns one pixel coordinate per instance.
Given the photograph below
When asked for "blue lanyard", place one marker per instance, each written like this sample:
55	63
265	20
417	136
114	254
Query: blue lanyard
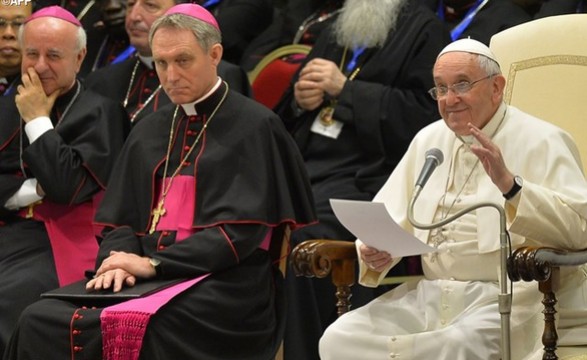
210	3
124	55
9	89
462	26
353	63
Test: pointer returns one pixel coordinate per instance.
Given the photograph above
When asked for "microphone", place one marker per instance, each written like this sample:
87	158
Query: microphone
434	157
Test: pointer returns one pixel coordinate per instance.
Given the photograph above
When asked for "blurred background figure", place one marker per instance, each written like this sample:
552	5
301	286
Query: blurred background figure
240	21
544	8
478	19
295	22
11	19
112	44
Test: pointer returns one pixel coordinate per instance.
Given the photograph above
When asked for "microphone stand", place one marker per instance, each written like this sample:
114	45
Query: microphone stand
504	298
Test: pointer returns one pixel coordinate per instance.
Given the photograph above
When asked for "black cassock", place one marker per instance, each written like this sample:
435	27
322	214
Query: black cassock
71	163
249	177
495	16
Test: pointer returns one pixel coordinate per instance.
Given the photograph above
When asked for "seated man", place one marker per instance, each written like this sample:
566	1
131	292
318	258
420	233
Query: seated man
58	144
12	16
544	8
294	22
133	81
202	185
453	312
109	36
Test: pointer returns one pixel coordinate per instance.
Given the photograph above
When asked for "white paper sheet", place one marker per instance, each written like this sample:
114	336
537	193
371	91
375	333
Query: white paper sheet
372	223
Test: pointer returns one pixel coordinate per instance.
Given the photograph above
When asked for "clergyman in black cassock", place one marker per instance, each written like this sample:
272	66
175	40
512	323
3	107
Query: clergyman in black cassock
68	152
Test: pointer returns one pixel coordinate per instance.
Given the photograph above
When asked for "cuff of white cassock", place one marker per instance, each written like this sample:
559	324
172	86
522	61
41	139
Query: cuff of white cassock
368	277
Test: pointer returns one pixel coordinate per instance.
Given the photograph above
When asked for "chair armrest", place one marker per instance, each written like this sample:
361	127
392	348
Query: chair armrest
536	263
320	258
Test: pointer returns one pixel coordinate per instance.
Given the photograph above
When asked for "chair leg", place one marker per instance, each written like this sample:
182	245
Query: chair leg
549	336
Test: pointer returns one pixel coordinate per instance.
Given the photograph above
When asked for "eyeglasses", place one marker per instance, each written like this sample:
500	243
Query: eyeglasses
15	24
459	88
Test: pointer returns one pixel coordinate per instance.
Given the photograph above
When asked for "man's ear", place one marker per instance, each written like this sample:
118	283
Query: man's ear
216	53
499	83
81	55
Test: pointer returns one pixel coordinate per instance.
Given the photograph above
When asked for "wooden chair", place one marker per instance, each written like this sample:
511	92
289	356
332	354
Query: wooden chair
272	75
545	63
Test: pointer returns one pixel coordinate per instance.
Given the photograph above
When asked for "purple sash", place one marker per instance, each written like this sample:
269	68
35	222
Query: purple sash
72	235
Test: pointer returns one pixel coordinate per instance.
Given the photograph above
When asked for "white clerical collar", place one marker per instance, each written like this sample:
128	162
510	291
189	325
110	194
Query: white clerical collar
3	80
147	60
490	128
190	108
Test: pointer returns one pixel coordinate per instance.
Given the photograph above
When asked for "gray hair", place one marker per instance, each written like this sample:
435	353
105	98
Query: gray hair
490	66
206	34
81	38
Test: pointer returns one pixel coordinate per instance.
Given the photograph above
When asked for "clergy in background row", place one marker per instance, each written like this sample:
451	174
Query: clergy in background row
58	144
453	313
202	189
353	107
478	19
133	81
294	22
12	17
240	21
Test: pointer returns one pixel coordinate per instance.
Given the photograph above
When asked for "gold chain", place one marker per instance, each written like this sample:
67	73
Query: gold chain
160	210
126	98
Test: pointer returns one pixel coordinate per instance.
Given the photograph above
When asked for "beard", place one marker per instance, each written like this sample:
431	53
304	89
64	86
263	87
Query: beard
366	22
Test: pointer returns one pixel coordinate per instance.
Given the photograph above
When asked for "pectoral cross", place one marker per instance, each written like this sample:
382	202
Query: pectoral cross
157	213
30	210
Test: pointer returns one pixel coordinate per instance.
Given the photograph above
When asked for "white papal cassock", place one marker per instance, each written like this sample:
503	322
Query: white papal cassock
453	313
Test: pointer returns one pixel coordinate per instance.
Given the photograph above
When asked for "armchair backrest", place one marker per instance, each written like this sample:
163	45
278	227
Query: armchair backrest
273	74
545	64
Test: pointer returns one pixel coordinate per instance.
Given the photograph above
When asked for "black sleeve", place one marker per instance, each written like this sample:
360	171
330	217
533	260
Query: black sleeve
210	250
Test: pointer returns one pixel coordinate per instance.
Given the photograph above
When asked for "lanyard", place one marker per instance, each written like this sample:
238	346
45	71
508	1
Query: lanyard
460	28
10	88
353	63
210	3
124	55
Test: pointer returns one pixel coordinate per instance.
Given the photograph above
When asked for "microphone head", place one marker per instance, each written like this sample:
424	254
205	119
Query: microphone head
435	154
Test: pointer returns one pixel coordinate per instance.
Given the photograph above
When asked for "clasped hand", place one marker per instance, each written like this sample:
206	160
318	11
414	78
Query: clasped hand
317	79
120	269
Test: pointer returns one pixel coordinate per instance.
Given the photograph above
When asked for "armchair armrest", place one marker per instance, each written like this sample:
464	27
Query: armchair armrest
320	258
542	264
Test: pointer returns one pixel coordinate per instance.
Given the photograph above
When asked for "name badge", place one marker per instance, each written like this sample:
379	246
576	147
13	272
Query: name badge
325	125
